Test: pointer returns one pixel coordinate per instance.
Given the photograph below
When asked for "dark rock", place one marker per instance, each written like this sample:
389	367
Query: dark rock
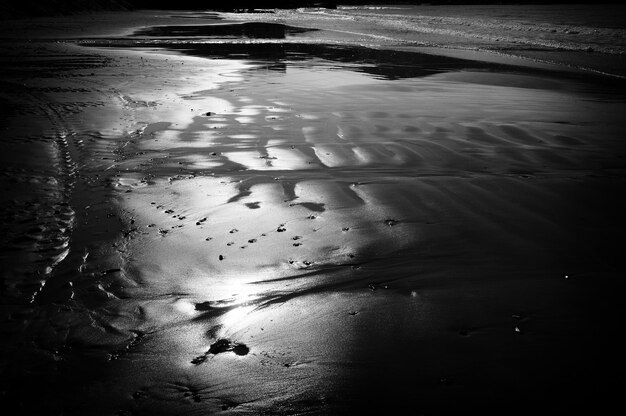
225	345
241	349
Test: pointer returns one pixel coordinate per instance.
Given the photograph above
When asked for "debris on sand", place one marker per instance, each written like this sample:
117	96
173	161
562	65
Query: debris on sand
225	345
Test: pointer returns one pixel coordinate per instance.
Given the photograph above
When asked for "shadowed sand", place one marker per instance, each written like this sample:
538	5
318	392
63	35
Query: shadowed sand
304	228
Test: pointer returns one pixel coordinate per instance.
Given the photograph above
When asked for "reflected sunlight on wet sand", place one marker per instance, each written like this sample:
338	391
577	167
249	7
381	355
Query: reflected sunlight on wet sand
269	225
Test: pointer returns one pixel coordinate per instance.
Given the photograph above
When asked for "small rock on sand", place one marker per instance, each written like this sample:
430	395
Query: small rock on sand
225	345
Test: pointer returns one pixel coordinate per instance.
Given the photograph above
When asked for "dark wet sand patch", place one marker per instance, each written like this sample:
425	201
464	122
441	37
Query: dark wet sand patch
312	206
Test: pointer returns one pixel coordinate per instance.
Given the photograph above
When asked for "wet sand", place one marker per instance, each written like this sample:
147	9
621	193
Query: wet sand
280	226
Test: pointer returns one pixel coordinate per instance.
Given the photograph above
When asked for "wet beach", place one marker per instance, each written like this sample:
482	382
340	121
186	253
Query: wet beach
303	212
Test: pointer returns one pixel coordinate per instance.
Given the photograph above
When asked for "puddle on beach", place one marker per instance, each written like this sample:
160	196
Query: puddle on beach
281	226
252	30
275	43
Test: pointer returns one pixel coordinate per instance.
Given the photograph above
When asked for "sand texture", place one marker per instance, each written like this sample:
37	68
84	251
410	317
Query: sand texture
360	211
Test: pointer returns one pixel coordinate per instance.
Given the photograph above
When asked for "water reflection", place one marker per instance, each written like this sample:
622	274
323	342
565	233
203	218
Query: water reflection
251	30
273	47
450	187
385	64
